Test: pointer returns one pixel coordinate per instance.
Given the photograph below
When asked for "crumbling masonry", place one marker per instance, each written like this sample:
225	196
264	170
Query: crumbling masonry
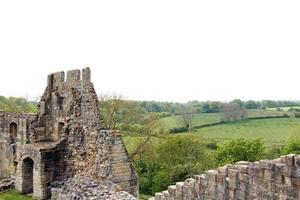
64	152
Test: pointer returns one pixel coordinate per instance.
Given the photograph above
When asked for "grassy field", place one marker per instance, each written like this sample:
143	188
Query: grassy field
173	121
13	195
275	131
207	118
271	131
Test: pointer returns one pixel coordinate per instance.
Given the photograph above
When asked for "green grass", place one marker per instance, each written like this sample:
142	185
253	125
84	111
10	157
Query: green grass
208	118
13	195
144	197
275	131
271	131
200	119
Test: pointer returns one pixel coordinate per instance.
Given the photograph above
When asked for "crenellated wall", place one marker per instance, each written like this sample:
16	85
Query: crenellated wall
64	141
57	102
266	179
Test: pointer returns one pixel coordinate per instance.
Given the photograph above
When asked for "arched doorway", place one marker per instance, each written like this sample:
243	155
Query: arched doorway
13	130
27	175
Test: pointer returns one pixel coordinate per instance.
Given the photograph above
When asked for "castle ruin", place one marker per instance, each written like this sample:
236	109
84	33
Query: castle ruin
64	152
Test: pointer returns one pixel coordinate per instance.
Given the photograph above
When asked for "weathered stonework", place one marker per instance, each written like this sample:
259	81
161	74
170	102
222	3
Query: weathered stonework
63	141
6	184
85	188
266	179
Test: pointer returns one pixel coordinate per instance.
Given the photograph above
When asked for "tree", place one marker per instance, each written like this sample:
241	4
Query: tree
205	107
233	111
238	101
269	104
18	105
215	106
131	113
240	150
187	114
251	104
184	156
181	149
110	107
147	128
130	119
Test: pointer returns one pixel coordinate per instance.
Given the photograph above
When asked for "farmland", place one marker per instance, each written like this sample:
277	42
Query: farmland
273	131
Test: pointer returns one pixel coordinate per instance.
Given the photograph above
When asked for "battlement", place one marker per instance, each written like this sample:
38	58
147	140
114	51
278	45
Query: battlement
73	76
265	179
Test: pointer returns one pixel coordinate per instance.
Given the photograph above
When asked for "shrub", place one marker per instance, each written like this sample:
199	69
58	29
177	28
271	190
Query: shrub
240	150
181	149
161	180
147	170
212	145
174	159
293	146
184	171
179	130
274	152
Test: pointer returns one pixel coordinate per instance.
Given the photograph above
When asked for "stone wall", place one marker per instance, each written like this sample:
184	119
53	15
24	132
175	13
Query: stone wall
21	122
86	148
65	140
36	169
122	171
13	134
266	179
6	160
6	184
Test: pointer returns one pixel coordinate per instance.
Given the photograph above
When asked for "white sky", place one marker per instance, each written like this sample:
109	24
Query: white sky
155	50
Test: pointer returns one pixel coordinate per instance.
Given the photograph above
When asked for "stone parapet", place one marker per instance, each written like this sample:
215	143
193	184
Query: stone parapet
265	179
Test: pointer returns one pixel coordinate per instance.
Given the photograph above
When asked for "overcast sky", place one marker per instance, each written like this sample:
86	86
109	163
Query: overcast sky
155	50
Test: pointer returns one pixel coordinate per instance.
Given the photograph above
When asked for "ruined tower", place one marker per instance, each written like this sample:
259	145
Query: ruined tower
66	143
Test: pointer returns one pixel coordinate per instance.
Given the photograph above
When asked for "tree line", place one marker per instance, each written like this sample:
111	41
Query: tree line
17	105
20	104
213	106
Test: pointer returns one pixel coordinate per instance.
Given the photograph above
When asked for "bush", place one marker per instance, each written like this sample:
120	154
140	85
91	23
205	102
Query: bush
212	145
179	130
184	156
147	170
274	152
175	159
161	181
240	150
293	146
164	114
270	117
184	171
180	150
285	116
